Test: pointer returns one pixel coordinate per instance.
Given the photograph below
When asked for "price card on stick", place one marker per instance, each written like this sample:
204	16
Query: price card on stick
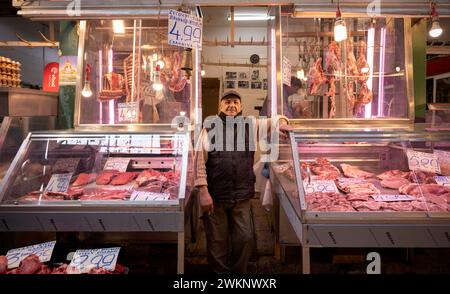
323	186
59	183
85	260
184	30
422	161
43	251
128	112
117	163
443	180
286	71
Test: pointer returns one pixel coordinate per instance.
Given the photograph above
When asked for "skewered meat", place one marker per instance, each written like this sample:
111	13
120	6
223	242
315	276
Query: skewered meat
393	174
354	172
324	169
315	77
363	66
131	67
124	178
84	179
3	264
112	86
105	177
394	182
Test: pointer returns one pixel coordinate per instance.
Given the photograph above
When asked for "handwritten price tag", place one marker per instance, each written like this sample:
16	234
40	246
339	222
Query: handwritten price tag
323	186
59	183
391	198
148	196
184	30
443	180
117	163
43	251
85	260
422	161
128	112
286	71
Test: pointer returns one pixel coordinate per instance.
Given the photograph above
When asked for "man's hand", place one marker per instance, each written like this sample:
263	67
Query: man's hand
206	201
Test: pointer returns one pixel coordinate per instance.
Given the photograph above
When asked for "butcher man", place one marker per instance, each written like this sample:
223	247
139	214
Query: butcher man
225	179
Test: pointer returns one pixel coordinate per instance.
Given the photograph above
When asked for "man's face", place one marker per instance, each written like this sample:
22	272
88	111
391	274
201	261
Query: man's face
230	106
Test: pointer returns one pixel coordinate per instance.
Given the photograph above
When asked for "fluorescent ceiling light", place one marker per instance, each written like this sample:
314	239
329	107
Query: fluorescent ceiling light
118	26
239	17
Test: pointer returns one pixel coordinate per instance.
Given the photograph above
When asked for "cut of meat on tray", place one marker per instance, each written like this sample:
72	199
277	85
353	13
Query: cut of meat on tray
84	179
419	205
30	264
394	182
3	264
105	194
358	188
124	178
149	176
105	177
395	173
60	270
354	172
370	205
421	177
44	270
400	206
323	168
357	197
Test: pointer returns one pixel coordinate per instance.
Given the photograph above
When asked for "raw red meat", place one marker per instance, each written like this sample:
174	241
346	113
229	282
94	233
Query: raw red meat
84	179
149	176
357	197
324	169
3	264
354	172
393	173
421	177
62	269
124	178
30	264
105	177
370	205
394	182
400	206
316	77
44	270
419	205
105	194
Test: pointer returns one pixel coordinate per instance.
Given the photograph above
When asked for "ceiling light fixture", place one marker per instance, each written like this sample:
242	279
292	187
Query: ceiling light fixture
435	30
340	29
250	17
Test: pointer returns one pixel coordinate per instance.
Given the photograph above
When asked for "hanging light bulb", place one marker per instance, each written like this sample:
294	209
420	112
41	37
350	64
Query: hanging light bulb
157	85
155	56
435	30
186	61
118	26
340	30
160	63
87	92
203	72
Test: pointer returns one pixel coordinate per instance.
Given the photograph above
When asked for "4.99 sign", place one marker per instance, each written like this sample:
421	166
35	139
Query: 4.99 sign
184	30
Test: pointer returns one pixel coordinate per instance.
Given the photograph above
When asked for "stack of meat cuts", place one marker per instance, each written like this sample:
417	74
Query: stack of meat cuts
358	191
354	172
32	265
319	201
323	168
432	197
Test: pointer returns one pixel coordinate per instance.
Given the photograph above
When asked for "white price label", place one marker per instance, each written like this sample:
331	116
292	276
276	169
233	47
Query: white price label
443	180
128	112
422	161
59	183
85	260
287	71
43	251
323	186
184	30
117	163
148	196
393	197
351	180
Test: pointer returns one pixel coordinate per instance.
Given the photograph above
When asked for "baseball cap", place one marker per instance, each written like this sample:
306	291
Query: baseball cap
229	94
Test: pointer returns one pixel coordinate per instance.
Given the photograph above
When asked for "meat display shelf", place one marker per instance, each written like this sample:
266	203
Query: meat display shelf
341	222
27	203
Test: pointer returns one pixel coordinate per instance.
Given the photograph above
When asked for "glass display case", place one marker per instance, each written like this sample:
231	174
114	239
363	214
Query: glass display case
99	182
370	188
365	76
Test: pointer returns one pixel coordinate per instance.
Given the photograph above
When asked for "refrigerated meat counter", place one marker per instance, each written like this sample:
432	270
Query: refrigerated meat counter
99	182
363	188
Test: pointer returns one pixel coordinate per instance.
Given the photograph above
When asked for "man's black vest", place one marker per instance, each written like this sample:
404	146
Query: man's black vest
230	173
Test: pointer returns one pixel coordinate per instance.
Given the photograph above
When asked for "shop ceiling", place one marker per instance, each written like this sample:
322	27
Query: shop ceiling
67	9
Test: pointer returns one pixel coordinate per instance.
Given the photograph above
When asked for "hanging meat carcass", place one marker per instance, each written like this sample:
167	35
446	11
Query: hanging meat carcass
364	97
332	94
131	67
350	93
352	67
363	66
112	86
332	62
172	76
316	77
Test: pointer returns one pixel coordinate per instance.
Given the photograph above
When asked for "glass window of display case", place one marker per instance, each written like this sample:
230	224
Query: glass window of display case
76	168
364	76
350	173
134	76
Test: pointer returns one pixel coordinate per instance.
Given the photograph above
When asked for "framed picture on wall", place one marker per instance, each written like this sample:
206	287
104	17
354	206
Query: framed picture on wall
265	84
243	75
230	75
230	84
243	84
256	85
255	74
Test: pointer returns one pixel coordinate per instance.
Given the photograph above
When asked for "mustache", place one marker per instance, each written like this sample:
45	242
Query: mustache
231	108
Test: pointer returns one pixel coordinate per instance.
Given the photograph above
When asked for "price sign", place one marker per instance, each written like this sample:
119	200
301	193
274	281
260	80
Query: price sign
66	165
422	161
128	112
444	161
59	183
184	30
323	186
286	71
393	197
117	163
85	260
43	251
148	196
443	180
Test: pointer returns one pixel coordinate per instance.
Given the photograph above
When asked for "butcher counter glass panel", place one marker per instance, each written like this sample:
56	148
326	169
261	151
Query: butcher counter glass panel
78	168
361	77
135	77
370	174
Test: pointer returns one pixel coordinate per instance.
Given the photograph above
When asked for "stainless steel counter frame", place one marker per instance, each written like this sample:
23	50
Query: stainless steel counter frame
298	226
95	216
